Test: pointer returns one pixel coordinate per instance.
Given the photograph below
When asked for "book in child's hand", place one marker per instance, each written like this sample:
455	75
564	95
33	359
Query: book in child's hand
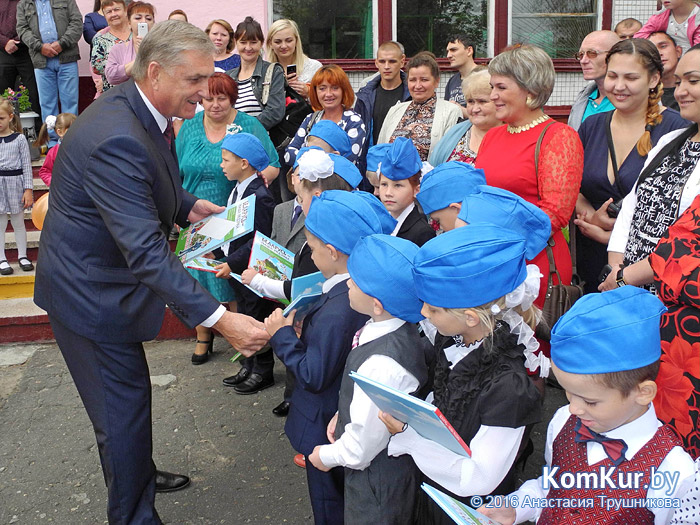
216	230
424	418
458	511
305	292
271	259
203	264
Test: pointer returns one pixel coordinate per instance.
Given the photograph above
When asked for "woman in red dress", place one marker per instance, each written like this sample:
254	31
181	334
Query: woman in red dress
522	79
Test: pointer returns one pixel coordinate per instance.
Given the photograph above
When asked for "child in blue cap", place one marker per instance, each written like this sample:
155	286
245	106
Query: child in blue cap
336	221
375	155
243	158
399	182
605	354
478	292
389	350
330	137
444	188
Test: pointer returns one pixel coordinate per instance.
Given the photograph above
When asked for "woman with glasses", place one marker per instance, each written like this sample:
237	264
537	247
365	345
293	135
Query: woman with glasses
615	146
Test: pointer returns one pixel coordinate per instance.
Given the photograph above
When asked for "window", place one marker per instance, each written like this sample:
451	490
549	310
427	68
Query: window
428	25
338	29
557	26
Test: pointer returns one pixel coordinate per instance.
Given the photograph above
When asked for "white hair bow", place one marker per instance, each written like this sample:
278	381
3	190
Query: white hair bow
315	164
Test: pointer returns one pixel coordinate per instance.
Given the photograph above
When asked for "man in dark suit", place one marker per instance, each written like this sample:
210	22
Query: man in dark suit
105	269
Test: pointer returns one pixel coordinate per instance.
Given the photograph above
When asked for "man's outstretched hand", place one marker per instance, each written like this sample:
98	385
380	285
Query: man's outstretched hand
243	332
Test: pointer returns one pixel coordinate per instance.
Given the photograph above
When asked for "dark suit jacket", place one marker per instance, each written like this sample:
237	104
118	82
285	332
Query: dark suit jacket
416	228
105	268
317	360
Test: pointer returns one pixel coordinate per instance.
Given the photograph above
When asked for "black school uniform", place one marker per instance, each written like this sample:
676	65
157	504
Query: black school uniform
415	228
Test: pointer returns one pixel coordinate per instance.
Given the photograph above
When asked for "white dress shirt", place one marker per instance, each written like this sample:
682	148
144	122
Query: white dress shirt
365	435
162	123
402	218
635	434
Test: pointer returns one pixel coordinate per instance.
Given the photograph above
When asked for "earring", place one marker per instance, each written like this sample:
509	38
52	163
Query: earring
528	101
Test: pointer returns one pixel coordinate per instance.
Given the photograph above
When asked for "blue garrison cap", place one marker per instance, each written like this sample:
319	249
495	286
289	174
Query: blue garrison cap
248	147
387	222
375	155
341	218
381	267
401	160
609	332
449	182
302	151
346	170
333	135
469	266
503	208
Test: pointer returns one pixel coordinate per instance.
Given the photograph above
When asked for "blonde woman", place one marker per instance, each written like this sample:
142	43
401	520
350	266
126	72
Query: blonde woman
283	45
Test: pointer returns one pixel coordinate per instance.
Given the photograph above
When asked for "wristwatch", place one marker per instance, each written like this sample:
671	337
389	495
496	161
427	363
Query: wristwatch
620	279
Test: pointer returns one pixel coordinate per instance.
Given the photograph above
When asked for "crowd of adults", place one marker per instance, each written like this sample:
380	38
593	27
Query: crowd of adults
623	173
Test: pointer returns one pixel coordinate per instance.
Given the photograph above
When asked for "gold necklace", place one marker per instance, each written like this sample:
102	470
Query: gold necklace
525	127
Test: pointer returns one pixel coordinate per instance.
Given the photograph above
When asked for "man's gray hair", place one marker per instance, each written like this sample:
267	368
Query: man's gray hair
165	44
531	67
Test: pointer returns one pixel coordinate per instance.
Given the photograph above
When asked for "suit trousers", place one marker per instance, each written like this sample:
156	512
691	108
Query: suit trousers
19	64
115	386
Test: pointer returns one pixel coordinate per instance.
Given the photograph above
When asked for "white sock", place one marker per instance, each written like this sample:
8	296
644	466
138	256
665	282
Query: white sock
3	227
17	220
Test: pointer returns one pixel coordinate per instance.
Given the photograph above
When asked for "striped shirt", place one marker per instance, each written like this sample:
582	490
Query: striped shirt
247	103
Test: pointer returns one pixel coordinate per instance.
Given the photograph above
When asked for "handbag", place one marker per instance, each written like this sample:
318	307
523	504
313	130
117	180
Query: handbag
560	297
295	111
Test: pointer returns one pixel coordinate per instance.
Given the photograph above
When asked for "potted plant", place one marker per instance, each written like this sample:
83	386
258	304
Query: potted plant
20	99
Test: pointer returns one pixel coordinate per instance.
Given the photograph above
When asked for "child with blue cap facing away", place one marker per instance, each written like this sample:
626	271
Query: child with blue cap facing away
444	188
605	354
389	350
336	221
477	291
399	182
243	157
330	137
375	155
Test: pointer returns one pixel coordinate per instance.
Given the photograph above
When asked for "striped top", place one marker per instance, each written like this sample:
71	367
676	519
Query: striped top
247	103
14	154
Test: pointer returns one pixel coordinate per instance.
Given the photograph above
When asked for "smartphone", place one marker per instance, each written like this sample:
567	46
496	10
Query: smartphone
142	29
604	273
291	70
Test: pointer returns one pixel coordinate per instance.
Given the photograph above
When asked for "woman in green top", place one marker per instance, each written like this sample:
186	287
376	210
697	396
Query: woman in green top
198	146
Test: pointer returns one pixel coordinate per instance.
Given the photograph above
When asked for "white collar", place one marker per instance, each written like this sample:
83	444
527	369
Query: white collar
376	329
296	202
635	434
331	282
242	186
402	217
459	351
161	120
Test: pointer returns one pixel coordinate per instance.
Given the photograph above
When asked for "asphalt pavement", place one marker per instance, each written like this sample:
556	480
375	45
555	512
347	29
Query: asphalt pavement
232	446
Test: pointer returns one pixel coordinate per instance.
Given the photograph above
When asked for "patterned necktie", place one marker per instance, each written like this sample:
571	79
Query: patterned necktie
614	448
356	338
168	133
295	215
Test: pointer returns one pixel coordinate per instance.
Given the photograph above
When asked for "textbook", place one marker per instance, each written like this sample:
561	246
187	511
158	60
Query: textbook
202	264
305	292
458	511
424	418
271	259
216	230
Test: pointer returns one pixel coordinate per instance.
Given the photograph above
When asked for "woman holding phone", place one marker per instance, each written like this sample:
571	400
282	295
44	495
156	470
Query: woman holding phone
283	45
141	16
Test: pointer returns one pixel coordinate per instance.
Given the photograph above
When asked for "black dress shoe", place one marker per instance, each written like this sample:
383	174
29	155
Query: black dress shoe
241	376
254	384
168	482
281	410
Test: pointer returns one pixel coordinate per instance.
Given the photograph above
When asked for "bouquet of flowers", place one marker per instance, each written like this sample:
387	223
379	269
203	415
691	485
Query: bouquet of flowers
19	98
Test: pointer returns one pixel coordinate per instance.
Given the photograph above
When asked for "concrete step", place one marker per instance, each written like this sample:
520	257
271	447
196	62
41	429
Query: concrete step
17	284
32	245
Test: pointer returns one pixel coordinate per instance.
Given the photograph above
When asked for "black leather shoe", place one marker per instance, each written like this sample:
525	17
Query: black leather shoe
168	482
281	410
254	384
241	376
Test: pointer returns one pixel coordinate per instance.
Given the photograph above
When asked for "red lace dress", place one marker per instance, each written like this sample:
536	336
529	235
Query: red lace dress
676	265
508	160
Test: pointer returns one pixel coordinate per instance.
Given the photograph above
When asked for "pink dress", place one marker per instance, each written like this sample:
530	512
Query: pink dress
47	168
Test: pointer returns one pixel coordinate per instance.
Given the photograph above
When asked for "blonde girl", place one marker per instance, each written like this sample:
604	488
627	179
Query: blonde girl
60	125
15	185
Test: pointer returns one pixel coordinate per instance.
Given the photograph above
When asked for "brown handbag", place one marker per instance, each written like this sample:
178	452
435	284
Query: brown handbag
560	297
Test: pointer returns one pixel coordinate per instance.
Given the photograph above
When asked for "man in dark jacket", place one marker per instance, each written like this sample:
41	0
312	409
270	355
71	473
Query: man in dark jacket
382	91
51	30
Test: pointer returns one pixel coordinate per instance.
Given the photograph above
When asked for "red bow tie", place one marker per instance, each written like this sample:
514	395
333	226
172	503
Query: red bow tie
614	448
